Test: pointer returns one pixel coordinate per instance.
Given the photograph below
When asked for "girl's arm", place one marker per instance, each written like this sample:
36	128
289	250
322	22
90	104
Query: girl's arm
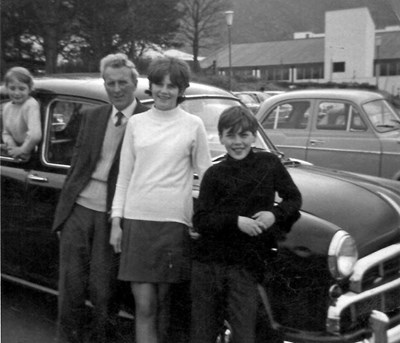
201	158
127	161
33	122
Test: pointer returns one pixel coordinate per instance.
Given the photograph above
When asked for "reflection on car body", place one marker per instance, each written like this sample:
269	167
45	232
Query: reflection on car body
318	290
353	130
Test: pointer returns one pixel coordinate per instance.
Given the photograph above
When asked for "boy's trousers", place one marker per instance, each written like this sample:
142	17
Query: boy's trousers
223	292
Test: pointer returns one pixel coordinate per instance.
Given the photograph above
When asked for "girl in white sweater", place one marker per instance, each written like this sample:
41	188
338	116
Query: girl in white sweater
21	116
162	149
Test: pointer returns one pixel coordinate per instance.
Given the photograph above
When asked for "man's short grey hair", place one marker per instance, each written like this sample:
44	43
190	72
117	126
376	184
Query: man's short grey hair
118	60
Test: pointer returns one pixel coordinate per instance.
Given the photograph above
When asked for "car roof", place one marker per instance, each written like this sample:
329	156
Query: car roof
90	86
356	95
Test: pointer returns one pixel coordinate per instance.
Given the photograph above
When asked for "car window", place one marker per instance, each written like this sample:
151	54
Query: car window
340	116
382	115
64	117
209	111
246	98
289	115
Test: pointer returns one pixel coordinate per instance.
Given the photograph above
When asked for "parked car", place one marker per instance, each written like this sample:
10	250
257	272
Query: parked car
339	263
252	99
271	93
353	130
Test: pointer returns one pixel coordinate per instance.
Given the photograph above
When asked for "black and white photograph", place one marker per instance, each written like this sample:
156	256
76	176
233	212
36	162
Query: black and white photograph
200	171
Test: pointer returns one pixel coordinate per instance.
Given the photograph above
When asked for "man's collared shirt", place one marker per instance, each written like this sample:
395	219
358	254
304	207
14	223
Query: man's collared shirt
127	112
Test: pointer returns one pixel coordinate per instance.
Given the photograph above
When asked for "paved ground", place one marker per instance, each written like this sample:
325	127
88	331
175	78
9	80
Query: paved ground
29	316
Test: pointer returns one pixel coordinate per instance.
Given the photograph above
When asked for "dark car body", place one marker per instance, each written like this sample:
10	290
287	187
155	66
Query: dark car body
317	290
353	130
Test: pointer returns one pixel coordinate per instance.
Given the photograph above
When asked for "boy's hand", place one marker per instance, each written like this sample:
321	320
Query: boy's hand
249	226
265	219
116	235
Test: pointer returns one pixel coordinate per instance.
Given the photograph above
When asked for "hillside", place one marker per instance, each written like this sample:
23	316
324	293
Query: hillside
266	20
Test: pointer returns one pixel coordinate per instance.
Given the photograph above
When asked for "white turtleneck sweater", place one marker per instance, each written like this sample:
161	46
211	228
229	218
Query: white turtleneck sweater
160	153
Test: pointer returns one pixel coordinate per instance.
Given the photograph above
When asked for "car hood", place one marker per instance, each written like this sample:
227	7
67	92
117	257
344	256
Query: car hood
366	207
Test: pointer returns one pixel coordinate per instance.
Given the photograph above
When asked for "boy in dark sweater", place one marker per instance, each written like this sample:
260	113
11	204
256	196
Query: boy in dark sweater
238	224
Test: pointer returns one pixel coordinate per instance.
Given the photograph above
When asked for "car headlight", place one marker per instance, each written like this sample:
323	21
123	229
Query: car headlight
342	255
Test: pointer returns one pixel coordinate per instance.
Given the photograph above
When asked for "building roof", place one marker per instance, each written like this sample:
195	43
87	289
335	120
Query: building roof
289	52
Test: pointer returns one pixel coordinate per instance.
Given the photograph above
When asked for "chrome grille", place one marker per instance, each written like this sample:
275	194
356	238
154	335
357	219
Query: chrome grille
357	313
376	269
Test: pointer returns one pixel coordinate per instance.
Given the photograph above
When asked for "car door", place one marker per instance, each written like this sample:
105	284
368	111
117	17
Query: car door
341	139
44	184
288	126
13	207
385	122
39	183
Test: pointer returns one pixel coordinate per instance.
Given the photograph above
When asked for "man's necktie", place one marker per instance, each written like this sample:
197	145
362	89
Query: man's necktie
119	118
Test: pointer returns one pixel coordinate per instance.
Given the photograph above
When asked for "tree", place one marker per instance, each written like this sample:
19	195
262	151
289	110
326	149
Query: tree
17	47
151	23
35	28
128	26
201	22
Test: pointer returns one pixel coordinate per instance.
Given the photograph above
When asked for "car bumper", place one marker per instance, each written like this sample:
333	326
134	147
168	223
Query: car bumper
369	310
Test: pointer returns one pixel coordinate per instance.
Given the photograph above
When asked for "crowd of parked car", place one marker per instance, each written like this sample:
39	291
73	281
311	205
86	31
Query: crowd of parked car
337	268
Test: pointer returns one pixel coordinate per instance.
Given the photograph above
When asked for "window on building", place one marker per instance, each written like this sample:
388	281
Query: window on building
388	68
310	72
339	67
276	74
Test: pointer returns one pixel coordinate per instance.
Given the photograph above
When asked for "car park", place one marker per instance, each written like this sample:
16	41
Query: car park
335	275
252	99
348	129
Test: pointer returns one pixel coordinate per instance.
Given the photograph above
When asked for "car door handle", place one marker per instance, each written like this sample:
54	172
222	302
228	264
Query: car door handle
36	178
316	141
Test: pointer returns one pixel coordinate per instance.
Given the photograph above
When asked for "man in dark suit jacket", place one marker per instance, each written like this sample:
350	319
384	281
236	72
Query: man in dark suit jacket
88	265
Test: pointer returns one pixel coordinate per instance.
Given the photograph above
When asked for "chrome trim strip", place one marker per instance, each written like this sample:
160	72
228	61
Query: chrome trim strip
51	291
386	154
29	284
390	201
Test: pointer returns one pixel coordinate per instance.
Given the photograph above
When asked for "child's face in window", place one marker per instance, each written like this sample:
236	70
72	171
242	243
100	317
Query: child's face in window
238	144
18	91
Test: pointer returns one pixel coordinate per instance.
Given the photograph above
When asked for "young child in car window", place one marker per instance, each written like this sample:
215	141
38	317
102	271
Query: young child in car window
21	116
238	224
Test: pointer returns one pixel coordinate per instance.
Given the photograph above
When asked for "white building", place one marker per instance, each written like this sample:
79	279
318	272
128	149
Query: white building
350	50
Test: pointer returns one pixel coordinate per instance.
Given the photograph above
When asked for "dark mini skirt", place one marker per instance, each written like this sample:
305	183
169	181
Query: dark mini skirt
154	252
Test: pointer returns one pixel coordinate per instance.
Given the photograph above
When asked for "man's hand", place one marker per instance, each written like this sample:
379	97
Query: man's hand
116	235
193	233
265	219
249	226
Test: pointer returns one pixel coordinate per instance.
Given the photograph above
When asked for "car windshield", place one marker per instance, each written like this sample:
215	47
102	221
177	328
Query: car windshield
382	115
246	98
209	110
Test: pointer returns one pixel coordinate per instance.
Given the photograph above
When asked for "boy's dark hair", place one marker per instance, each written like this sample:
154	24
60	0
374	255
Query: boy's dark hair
177	69
237	118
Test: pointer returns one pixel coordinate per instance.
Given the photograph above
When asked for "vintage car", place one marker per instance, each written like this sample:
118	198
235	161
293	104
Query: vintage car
353	130
252	99
336	276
